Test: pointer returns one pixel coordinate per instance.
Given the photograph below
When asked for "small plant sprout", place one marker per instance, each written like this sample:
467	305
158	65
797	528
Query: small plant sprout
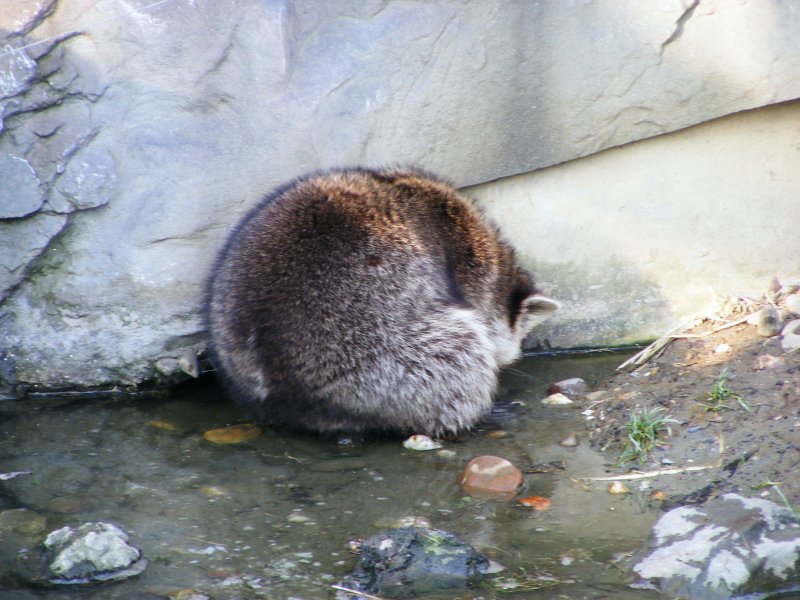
644	430
720	394
777	487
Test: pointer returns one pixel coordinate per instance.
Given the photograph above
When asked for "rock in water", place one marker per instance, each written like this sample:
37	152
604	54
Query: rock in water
421	443
94	552
408	562
21	521
574	387
491	477
556	399
233	434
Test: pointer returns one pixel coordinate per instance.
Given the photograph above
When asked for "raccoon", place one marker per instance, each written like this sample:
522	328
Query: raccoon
368	300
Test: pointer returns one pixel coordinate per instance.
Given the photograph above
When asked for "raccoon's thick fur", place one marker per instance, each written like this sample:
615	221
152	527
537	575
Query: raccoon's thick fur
368	300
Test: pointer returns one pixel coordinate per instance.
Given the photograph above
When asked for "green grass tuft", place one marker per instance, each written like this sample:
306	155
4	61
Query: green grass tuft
720	395
777	487
644	431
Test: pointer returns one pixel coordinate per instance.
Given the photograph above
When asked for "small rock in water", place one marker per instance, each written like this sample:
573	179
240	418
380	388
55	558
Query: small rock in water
214	491
409	562
297	517
790	339
421	442
165	425
187	594
491	477
234	434
497	434
70	505
409	521
556	399
769	321
574	387
22	521
570	441
334	465
536	502
92	553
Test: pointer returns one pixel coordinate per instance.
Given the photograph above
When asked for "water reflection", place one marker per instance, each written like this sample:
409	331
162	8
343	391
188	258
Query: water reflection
271	518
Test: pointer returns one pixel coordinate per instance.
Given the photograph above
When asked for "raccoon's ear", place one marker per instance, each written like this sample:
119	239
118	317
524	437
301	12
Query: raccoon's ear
534	310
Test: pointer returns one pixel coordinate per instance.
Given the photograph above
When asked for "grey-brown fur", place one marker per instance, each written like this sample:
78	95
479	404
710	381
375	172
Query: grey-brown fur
360	300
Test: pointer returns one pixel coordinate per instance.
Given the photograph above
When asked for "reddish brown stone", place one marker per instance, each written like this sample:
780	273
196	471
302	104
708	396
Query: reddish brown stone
491	477
573	388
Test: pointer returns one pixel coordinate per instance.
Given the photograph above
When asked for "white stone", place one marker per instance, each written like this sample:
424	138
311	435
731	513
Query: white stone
790	339
421	443
556	399
793	304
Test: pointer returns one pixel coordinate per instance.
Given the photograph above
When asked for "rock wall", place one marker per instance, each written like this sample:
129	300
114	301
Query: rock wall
638	239
133	133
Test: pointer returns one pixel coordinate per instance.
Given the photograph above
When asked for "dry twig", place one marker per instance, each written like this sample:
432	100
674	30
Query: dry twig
668	471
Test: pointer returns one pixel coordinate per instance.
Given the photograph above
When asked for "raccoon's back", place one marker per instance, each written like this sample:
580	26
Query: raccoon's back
336	290
327	262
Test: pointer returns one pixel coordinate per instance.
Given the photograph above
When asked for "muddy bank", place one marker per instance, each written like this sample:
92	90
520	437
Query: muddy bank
742	442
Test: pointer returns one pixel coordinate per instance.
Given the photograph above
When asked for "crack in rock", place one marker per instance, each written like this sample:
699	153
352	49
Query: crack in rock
679	25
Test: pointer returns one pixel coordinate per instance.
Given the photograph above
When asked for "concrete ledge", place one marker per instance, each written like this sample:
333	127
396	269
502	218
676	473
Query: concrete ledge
636	239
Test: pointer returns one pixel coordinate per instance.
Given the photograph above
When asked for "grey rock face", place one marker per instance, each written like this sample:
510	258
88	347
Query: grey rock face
732	546
134	134
22	242
20	194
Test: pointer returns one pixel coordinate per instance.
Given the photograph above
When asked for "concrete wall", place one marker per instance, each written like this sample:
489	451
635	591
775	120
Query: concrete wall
134	133
637	239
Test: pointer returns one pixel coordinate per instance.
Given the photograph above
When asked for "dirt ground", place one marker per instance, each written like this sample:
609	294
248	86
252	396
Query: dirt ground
711	452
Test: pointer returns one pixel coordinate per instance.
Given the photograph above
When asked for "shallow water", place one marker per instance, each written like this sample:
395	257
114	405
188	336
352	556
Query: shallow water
272	518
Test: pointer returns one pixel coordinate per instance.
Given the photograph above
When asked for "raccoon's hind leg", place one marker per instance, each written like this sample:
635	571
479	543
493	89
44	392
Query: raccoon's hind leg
450	374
